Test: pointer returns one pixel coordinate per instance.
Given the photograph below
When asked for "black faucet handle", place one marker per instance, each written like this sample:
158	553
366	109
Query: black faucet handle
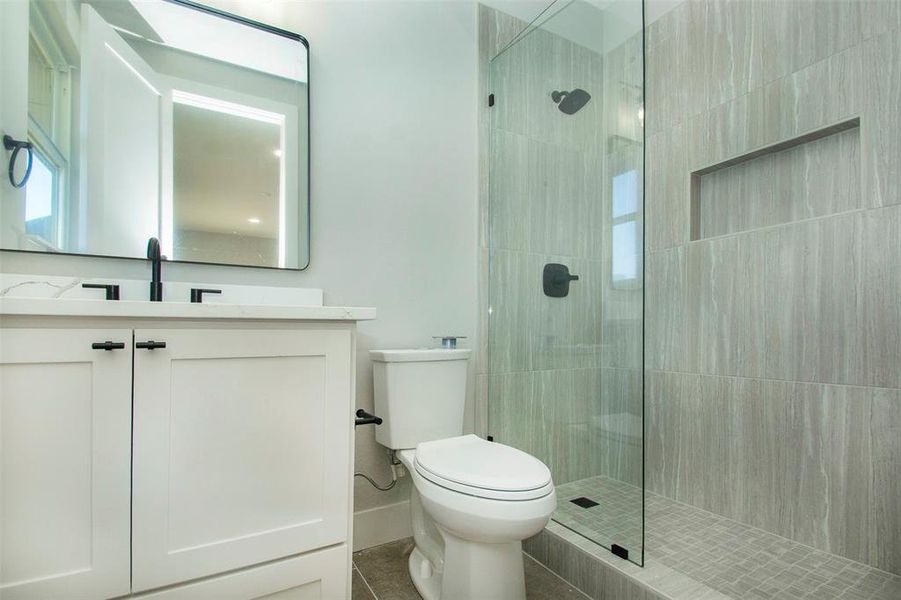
112	289
197	294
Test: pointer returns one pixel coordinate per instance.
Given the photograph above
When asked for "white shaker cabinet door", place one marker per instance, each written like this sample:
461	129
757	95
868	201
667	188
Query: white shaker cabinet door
241	449
65	450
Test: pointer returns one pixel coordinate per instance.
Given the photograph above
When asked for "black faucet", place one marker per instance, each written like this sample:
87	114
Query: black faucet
156	267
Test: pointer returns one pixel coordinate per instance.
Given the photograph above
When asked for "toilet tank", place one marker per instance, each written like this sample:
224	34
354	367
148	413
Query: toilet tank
419	394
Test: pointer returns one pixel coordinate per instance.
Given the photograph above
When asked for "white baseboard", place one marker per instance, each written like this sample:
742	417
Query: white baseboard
381	525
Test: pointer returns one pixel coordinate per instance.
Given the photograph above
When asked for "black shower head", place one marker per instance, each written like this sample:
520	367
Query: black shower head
571	102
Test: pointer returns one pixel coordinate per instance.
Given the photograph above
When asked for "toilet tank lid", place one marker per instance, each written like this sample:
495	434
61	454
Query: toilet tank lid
419	355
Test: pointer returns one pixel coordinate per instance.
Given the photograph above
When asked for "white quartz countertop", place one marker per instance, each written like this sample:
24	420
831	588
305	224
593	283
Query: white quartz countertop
64	307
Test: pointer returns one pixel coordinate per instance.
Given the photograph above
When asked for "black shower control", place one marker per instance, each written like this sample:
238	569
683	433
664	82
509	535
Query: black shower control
556	280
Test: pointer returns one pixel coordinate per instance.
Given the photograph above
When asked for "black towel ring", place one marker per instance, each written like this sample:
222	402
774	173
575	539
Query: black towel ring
16	145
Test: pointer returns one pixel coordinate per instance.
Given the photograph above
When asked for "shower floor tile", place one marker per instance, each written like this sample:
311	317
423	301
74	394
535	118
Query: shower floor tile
737	560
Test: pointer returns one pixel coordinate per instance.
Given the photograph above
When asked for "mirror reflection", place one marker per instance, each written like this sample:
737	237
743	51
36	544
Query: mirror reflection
151	118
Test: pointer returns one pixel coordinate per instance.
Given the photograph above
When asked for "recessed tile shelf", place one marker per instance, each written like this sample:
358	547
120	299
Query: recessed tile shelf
812	175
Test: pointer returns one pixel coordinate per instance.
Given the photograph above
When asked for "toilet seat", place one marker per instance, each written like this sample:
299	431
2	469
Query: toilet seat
475	467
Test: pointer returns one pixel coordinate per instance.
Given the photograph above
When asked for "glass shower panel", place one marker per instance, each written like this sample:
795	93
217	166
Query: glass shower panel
566	174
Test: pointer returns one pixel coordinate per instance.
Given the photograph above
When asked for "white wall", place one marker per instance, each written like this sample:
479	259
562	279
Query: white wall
394	181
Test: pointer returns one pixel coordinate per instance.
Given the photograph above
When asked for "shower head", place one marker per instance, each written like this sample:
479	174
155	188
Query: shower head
571	102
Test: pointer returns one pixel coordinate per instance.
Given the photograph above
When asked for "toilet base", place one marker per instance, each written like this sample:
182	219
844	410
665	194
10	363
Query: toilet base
471	570
426	579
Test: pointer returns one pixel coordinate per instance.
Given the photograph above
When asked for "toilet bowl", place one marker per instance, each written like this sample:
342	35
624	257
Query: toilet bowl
468	531
473	501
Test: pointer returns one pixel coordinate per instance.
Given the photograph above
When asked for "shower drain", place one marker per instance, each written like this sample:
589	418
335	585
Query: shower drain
584	502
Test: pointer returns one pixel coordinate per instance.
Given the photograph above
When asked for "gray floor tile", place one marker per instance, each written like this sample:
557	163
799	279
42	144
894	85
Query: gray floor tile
385	570
359	588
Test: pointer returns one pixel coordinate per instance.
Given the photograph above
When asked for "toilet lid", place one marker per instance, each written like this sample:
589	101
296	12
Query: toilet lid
483	466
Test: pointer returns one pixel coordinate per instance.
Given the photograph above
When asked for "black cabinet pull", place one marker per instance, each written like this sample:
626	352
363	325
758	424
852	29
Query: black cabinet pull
108	346
150	345
112	290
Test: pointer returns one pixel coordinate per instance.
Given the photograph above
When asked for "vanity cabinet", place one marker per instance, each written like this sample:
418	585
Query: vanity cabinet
241	447
215	461
65	448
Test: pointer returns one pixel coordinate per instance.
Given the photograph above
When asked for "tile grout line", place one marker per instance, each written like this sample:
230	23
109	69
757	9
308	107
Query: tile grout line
360	573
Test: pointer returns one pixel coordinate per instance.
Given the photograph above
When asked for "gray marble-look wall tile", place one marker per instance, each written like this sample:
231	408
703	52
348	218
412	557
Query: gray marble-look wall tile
822	468
726	300
881	296
881	122
711	448
669	336
814	327
667	205
502	29
663	408
615	419
879	16
586	294
509	328
885	517
727	56
676	68
509	206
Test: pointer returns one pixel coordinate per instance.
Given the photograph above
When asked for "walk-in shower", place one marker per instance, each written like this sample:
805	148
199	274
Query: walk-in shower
565	259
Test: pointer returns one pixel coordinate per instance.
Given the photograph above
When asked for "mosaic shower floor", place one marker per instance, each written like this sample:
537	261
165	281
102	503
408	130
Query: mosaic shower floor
737	560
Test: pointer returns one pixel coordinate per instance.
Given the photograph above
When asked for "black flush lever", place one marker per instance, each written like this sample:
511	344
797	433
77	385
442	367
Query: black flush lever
112	290
364	418
197	294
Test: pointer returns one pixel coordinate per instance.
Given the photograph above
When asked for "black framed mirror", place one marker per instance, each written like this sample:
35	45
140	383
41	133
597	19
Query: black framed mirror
155	118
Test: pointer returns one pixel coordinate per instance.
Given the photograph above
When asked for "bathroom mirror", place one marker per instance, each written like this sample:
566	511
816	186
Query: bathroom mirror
132	119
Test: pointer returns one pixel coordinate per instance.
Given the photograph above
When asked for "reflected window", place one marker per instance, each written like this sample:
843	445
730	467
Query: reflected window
41	200
625	231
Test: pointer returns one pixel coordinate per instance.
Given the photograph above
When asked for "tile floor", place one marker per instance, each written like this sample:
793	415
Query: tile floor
380	573
737	560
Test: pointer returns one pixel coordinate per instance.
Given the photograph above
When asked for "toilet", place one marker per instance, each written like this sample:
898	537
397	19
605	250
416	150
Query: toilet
473	501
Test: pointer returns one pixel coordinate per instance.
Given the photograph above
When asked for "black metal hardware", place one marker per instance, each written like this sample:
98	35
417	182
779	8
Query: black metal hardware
556	280
108	346
156	268
197	294
364	418
584	502
112	290
619	551
16	146
150	345
490	99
